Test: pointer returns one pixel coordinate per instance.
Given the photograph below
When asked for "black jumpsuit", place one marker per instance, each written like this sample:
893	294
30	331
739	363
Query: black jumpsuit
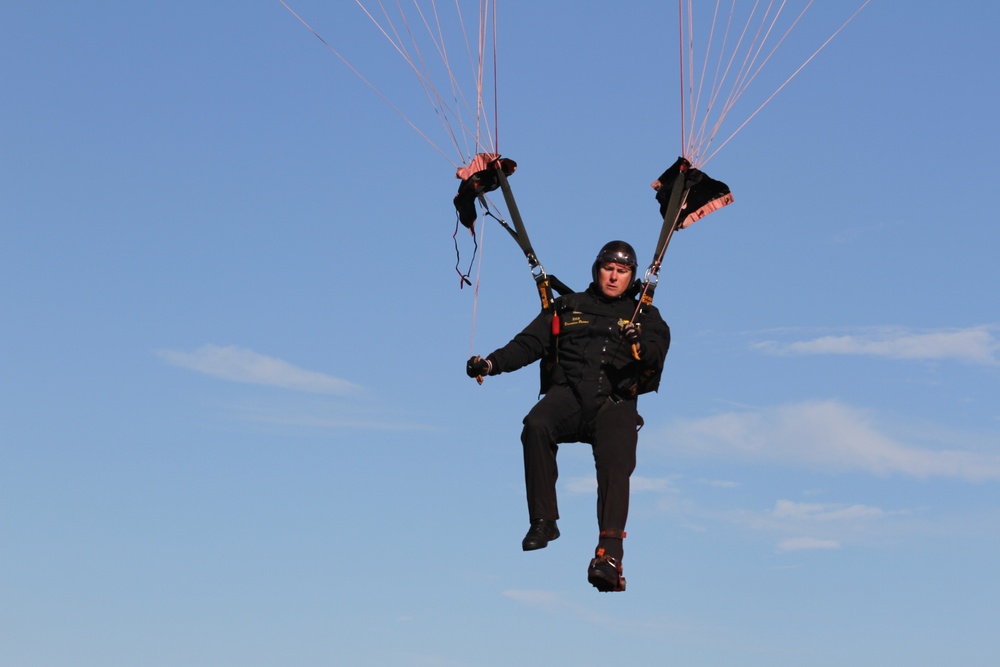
590	381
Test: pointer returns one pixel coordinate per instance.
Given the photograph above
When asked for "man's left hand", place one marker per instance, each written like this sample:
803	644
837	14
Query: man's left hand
631	334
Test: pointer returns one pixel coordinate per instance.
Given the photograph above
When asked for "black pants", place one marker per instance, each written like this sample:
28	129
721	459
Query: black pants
611	428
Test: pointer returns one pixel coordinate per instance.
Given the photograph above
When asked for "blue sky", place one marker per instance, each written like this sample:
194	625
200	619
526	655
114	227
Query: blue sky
235	426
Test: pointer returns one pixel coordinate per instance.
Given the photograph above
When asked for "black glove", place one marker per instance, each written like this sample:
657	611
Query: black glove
631	333
478	367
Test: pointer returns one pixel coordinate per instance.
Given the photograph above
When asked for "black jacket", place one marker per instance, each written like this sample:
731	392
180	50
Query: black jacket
589	355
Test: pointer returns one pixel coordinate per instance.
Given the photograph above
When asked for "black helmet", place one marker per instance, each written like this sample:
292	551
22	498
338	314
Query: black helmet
618	252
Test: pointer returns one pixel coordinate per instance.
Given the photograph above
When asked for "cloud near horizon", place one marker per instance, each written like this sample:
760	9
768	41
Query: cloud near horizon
239	364
975	345
821	434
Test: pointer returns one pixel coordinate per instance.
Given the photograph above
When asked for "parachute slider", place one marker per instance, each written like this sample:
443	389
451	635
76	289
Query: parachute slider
704	194
686	195
480	176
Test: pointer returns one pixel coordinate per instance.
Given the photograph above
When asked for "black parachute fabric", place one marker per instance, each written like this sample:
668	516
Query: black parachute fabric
478	178
705	194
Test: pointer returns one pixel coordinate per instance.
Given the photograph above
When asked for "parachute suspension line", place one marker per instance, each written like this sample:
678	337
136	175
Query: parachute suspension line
696	100
680	42
487	213
744	76
450	114
488	30
786	82
417	34
496	96
696	132
475	65
456	90
754	46
479	66
731	97
482	137
367	82
689	109
697	139
422	73
475	291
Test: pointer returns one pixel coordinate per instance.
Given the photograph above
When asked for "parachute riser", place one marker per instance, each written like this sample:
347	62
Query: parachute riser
520	235
543	282
678	197
671	220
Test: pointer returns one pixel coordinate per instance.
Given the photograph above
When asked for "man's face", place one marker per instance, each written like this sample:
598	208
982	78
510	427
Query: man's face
613	278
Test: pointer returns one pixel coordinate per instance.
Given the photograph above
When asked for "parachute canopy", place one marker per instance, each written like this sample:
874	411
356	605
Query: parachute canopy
704	194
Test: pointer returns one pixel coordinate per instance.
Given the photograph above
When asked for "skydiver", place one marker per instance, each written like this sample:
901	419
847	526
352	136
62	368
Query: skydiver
595	363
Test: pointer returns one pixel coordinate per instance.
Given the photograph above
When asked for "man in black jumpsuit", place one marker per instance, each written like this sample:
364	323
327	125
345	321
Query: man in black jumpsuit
595	362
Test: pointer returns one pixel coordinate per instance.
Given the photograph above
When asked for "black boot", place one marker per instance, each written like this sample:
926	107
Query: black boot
542	532
605	573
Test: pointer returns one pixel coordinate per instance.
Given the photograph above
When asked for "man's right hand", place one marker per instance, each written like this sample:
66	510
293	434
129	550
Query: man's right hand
477	367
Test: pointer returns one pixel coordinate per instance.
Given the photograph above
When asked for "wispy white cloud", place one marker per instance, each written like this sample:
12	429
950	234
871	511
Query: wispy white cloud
807	543
720	483
834	520
637	484
788	510
789	516
797	526
240	364
975	345
825	434
290	413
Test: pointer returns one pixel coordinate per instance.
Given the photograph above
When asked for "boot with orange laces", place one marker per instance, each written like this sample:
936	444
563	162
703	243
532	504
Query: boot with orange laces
605	571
